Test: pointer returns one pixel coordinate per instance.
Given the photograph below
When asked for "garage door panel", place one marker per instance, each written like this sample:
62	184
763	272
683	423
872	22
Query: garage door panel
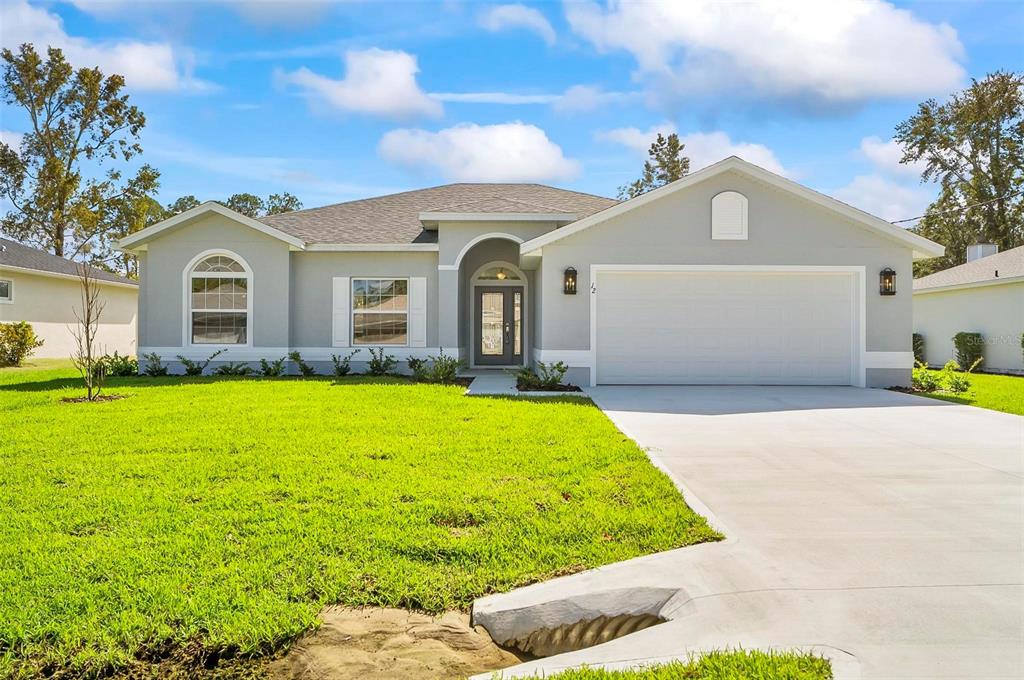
724	328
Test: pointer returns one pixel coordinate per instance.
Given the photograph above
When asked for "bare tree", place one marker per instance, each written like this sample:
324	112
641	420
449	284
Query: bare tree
85	358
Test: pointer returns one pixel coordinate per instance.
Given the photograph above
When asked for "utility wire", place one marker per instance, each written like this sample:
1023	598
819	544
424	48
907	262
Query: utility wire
963	209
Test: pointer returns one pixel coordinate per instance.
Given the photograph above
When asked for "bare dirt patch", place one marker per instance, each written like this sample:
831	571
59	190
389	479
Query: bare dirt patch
86	400
391	643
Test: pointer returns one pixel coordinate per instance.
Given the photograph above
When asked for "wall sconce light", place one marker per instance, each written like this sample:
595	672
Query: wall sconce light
887	282
569	281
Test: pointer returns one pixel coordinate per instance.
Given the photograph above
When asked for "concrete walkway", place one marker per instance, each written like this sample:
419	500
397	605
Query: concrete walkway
883	529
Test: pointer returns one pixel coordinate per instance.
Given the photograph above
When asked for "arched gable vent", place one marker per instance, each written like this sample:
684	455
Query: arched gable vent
729	216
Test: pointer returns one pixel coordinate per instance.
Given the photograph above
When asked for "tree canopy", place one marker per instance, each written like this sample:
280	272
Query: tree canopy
973	146
666	163
80	122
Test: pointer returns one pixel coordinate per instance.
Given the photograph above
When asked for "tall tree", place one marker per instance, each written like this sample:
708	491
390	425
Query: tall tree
282	203
182	204
973	146
666	163
247	204
78	120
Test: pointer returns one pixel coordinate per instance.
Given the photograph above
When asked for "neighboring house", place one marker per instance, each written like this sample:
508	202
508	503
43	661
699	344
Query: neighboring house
44	290
985	295
730	275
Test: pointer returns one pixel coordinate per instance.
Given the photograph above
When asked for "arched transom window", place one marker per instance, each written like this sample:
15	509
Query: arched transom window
219	313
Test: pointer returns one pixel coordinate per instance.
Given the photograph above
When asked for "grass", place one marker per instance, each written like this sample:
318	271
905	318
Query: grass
203	518
725	665
996	392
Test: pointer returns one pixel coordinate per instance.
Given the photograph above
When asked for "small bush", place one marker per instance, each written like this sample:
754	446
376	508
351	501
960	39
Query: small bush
305	369
154	365
343	364
233	368
545	377
197	367
444	368
272	369
380	363
923	379
969	348
918	348
119	366
418	367
17	342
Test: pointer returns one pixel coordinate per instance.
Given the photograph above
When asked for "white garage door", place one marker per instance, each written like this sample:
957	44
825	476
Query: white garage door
739	328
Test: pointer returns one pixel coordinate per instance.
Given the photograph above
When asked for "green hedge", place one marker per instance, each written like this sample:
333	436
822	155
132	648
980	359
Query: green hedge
970	348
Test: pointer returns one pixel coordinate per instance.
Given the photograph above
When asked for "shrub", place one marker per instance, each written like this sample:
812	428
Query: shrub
444	368
119	366
918	344
545	377
923	379
419	368
380	363
343	364
272	369
154	366
304	369
969	348
197	367
17	342
233	368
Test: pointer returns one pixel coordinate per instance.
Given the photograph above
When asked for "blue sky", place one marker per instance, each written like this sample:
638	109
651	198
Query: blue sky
339	100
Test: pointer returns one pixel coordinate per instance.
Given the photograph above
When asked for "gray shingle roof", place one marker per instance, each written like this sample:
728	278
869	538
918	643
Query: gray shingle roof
1008	263
395	218
17	255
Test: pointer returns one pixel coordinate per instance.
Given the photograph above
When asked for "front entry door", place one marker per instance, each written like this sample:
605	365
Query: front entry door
498	330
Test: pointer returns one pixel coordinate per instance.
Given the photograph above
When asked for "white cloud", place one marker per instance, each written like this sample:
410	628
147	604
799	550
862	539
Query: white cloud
504	17
582	98
885	157
11	139
377	82
843	51
885	198
144	65
702	148
508	152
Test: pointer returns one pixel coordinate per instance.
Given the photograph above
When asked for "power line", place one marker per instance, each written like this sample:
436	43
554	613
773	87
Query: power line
963	209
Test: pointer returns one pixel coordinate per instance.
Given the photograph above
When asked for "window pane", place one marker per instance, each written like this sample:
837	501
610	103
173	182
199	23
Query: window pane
218	263
5	290
218	328
379	329
492	336
218	293
518	316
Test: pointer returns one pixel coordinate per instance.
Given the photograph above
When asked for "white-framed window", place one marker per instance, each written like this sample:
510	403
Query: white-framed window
6	291
219	303
380	311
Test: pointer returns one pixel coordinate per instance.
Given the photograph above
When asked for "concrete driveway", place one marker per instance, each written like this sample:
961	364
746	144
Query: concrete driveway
882	529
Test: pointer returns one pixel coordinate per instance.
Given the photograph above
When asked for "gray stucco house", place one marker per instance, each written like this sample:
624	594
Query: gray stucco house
731	275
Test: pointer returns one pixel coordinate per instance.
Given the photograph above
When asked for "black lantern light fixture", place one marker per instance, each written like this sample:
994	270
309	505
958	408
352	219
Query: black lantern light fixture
887	282
569	281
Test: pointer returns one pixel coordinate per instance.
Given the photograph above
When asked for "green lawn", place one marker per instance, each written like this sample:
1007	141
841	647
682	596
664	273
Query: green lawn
729	665
204	516
997	392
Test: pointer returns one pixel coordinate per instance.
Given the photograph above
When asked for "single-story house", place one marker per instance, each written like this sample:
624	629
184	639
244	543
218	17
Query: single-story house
732	274
985	295
45	291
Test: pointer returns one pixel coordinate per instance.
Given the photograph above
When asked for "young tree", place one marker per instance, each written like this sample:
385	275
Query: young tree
666	164
76	118
247	204
973	146
86	357
282	203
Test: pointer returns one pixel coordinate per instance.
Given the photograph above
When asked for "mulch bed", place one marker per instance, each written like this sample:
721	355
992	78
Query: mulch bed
102	397
556	388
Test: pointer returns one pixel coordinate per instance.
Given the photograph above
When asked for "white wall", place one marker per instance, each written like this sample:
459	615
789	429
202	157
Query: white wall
49	304
997	312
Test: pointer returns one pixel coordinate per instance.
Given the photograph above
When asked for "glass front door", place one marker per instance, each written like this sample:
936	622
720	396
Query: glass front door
498	332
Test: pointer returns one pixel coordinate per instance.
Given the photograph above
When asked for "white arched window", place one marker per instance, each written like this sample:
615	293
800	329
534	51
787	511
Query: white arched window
219	302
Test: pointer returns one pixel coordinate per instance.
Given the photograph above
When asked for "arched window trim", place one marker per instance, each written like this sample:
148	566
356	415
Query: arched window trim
187	275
